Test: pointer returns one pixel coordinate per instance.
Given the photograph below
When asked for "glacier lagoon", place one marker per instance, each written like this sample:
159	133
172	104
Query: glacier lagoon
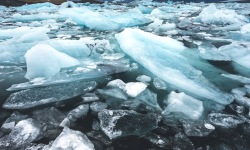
137	75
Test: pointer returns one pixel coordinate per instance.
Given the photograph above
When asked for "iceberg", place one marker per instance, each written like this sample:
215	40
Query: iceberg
45	61
212	15
94	20
161	56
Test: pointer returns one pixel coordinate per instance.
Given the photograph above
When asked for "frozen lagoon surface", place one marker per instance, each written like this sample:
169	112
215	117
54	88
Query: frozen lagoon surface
125	76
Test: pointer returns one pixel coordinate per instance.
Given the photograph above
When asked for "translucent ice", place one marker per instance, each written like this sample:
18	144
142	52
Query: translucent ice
239	78
45	95
76	73
185	105
95	20
70	139
120	123
161	56
21	39
117	83
45	61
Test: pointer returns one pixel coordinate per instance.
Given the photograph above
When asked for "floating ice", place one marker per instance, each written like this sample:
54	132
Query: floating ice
212	15
37	7
113	92
79	112
237	53
133	89
97	107
117	83
45	95
182	104
23	38
198	129
90	97
159	84
50	115
120	123
34	17
95	20
210	52
158	140
77	73
161	56
149	98
145	9
181	141
224	120
70	139
241	91
45	61
143	78
245	29
158	26
11	122
74	48
239	78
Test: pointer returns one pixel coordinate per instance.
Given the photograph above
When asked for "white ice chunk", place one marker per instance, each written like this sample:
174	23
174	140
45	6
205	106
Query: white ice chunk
117	83
212	15
161	56
45	61
37	6
238	53
158	26
133	89
74	140
245	29
184	104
